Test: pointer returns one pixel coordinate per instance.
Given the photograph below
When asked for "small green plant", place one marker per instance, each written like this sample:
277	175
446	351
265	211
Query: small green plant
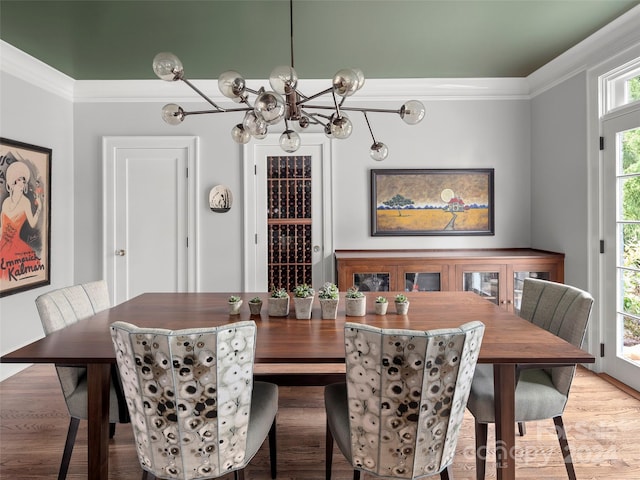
381	299
303	291
353	292
234	299
255	300
278	292
329	291
401	298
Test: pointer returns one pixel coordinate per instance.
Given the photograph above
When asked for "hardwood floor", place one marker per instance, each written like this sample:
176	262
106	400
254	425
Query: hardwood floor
603	425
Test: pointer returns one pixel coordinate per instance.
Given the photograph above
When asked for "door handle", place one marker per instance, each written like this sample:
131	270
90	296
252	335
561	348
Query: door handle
121	253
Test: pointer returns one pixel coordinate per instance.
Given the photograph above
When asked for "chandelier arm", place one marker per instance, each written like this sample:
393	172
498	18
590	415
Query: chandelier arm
335	102
202	112
312	117
202	94
250	90
369	125
306	99
356	109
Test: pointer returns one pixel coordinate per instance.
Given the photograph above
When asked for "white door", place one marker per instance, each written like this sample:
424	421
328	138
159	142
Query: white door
621	226
317	147
149	243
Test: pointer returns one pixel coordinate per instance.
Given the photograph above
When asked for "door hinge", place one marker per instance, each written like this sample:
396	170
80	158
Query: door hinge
187	172
601	350
601	143
255	169
187	242
601	246
255	238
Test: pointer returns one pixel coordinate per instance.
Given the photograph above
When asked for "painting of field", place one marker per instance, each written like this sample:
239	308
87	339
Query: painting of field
432	219
432	202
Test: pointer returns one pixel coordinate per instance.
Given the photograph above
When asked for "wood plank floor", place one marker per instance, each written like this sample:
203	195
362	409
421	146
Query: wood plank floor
603	425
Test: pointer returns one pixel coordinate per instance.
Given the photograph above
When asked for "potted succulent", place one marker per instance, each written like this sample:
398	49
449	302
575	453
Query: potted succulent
255	305
329	298
381	305
235	303
355	302
402	304
278	302
303	301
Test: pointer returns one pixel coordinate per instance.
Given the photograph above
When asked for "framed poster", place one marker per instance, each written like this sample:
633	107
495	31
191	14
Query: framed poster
432	202
25	216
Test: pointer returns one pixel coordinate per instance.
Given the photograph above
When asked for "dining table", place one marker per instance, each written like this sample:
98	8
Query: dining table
313	343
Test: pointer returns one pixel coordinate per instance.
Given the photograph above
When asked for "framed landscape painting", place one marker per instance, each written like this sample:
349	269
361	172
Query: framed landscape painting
25	216
432	202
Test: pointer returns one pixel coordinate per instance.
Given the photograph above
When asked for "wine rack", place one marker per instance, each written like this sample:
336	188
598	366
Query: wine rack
289	220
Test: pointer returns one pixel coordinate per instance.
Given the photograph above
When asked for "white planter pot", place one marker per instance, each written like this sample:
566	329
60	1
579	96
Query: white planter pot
255	308
329	308
303	307
234	307
278	307
356	307
402	308
381	308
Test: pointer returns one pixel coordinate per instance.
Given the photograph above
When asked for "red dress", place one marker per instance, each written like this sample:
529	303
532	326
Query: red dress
17	258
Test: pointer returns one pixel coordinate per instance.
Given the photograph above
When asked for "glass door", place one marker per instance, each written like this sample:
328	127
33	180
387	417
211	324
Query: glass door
621	225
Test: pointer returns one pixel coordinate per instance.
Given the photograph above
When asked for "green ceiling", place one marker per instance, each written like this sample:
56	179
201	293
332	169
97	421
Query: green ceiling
117	39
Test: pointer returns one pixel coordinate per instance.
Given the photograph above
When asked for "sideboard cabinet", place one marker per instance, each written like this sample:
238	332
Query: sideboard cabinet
496	274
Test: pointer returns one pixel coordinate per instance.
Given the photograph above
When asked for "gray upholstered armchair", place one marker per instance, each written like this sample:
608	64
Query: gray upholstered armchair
541	393
58	309
195	409
400	411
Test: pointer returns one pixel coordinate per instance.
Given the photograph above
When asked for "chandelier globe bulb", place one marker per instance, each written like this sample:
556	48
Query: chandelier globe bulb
290	141
341	126
379	151
231	84
172	114
240	135
270	106
283	79
412	112
168	67
345	82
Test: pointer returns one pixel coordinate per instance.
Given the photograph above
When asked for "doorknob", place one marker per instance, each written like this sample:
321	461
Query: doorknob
316	248
121	253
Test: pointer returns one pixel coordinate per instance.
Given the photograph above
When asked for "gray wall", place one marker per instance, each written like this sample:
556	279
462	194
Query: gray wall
455	134
32	115
559	182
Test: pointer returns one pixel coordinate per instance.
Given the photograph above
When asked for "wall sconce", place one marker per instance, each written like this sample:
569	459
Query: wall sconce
220	199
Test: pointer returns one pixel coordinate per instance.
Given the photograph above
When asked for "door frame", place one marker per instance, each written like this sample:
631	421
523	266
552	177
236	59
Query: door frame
254	229
110	147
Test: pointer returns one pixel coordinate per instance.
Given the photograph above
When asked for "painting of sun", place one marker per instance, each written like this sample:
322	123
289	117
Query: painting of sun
432	202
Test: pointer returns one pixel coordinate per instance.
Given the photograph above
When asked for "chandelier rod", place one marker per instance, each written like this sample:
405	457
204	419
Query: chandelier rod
291	30
356	109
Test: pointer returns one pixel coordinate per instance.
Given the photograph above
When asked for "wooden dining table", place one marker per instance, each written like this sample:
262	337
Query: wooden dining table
285	341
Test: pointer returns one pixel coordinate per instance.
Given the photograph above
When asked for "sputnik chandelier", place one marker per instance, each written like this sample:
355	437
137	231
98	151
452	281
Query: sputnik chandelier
284	102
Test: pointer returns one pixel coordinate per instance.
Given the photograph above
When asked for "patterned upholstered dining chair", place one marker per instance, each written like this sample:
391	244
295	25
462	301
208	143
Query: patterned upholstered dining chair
400	411
61	308
195	409
541	393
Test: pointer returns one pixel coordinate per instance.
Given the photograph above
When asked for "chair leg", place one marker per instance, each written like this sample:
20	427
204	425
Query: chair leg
447	474
356	475
74	423
482	431
112	430
522	429
328	453
238	474
564	446
272	450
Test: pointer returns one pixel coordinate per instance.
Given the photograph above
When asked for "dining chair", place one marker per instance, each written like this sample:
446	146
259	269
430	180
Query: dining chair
541	393
61	308
399	413
196	411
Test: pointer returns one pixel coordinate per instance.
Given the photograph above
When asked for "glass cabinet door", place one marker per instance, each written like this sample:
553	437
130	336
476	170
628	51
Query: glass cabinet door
422	281
485	284
372	282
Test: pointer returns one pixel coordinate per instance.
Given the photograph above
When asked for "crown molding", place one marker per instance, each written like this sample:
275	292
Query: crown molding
619	35
373	90
25	67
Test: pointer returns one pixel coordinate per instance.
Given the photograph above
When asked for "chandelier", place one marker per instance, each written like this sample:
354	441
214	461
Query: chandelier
284	102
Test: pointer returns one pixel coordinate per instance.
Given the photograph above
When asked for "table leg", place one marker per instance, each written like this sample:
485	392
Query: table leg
504	383
98	381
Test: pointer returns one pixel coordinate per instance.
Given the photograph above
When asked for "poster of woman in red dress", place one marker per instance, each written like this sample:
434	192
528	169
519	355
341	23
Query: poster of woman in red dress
25	179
